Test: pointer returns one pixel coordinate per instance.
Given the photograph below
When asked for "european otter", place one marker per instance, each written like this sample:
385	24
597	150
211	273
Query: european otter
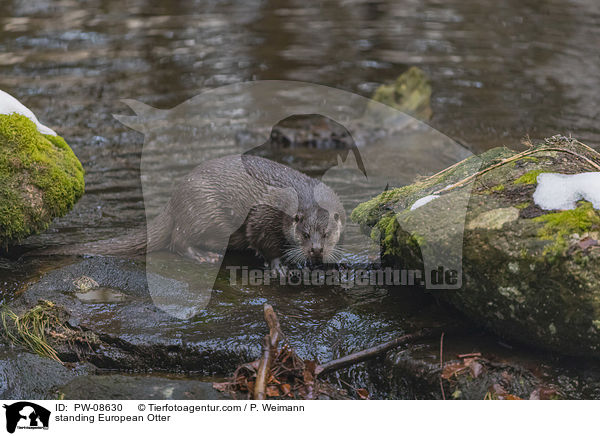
246	202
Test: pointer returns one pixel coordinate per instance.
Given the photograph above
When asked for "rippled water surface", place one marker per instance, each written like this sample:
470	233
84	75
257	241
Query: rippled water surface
499	71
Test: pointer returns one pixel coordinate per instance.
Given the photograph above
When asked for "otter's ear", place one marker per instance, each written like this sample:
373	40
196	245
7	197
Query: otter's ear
298	217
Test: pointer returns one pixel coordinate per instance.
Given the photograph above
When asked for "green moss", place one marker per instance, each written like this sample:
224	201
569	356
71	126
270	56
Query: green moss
40	178
522	205
370	211
410	93
529	178
498	188
559	226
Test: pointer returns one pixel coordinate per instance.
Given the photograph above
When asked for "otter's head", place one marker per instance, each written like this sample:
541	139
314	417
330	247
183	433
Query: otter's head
315	234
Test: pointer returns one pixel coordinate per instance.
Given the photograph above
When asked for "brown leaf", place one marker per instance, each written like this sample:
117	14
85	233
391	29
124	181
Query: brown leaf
221	387
309	371
363	394
273	391
543	393
511	397
285	388
452	369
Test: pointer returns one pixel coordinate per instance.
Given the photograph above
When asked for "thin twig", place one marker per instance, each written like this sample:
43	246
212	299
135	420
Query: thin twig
369	353
511	159
442	365
462	356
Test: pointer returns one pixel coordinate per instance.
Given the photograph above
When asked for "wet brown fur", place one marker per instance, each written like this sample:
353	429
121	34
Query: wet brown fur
220	202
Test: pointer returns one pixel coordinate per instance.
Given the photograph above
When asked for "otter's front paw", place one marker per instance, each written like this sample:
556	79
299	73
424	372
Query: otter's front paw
278	268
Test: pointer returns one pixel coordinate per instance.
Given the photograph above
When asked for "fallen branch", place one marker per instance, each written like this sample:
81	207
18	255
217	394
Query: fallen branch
369	353
442	365
269	350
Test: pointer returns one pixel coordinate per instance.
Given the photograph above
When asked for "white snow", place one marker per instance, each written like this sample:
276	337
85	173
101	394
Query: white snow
422	201
562	191
10	105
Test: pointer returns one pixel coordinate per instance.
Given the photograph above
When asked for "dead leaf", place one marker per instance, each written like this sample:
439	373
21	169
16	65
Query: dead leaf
452	369
543	393
285	388
363	394
273	391
221	387
309	370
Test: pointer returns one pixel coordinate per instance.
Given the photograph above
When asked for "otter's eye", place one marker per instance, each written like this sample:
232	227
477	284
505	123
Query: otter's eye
306	235
297	218
326	235
336	216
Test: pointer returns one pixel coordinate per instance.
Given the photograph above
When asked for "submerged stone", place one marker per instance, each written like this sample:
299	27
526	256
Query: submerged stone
410	93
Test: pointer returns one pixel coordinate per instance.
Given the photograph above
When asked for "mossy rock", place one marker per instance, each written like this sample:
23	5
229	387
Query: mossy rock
410	93
530	275
40	178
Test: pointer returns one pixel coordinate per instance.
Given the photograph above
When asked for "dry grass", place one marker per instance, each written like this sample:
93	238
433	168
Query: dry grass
29	329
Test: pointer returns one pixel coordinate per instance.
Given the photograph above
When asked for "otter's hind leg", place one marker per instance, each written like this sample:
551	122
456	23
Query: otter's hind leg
196	254
201	256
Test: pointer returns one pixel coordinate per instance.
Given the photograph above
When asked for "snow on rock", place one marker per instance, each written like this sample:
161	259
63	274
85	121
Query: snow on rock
10	105
423	201
562	191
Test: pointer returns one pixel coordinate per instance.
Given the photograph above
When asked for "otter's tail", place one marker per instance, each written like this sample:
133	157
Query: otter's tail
155	237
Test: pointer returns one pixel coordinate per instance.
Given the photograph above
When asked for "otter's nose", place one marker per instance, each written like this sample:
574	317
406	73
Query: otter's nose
316	251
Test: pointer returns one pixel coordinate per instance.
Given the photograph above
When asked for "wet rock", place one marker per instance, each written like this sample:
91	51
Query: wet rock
138	387
417	373
528	274
26	375
320	323
40	178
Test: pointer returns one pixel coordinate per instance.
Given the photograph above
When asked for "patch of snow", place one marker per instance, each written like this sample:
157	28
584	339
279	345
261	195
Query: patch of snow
422	201
562	191
10	105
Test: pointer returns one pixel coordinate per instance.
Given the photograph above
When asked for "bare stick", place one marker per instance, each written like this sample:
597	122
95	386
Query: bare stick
442	365
273	323
264	370
269	350
369	353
